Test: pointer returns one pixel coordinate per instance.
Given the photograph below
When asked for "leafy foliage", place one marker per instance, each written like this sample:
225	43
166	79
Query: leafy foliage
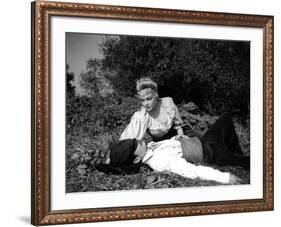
213	74
204	77
90	136
69	82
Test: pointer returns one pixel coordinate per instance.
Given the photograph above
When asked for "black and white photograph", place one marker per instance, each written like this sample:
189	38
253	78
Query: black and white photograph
141	113
150	112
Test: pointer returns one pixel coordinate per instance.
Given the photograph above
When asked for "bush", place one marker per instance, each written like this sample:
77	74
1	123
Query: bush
84	148
214	74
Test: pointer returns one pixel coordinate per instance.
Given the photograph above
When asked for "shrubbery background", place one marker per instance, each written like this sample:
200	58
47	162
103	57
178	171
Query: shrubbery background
204	77
213	74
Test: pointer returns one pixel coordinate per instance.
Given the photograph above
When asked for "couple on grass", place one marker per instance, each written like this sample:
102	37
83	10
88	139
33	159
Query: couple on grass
170	149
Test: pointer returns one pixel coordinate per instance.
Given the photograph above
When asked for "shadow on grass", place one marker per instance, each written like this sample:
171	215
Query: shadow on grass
145	179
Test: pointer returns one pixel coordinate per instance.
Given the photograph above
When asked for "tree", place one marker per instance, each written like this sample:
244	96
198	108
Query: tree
214	74
89	80
69	82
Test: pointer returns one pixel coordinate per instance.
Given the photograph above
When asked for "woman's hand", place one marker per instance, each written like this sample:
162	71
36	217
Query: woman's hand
177	137
180	131
180	134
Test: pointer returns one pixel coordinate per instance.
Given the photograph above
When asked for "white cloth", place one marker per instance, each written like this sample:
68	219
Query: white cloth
141	122
167	155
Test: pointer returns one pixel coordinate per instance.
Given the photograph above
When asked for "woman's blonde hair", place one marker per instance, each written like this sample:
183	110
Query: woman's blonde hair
146	82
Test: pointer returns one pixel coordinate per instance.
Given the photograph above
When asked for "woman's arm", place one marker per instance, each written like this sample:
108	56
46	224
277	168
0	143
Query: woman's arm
180	131
177	121
137	127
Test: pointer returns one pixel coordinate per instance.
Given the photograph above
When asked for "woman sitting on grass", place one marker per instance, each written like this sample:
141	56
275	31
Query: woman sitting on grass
159	117
183	155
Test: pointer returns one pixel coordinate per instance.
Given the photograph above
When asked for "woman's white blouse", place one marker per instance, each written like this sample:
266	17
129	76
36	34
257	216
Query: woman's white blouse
141	122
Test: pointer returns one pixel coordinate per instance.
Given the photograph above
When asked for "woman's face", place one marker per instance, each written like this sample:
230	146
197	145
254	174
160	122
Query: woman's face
148	98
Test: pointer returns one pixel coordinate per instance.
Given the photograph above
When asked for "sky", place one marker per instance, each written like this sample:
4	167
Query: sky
79	48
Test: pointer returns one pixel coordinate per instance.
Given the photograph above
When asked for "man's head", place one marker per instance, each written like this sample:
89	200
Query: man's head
140	151
127	152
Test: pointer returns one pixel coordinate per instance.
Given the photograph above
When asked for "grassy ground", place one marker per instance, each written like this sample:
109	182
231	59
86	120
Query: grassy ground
85	149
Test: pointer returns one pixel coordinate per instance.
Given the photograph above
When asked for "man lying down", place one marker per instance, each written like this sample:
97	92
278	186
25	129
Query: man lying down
184	155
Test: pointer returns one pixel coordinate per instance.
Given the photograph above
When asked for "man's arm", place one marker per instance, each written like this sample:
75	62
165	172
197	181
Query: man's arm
180	166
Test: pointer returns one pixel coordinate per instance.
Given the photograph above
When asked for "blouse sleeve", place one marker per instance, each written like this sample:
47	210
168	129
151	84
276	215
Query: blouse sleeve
174	118
137	127
177	119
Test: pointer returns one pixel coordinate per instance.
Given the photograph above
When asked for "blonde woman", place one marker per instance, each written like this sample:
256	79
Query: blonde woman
159	117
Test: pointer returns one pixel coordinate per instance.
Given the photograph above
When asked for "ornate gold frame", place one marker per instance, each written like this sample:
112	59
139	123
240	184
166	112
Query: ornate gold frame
41	13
